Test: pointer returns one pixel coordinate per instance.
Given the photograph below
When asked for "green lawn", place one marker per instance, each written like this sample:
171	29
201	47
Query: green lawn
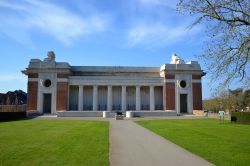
221	144
54	142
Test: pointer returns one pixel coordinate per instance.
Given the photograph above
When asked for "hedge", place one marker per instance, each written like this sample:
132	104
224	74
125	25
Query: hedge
6	116
240	117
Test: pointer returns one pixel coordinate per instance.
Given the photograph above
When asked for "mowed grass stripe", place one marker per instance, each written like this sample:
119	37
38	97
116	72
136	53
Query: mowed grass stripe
54	142
223	144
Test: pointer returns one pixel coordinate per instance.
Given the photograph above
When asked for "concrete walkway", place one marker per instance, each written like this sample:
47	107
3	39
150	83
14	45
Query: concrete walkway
133	145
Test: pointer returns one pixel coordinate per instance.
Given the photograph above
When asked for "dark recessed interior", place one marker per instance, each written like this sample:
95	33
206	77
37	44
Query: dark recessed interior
183	84
47	83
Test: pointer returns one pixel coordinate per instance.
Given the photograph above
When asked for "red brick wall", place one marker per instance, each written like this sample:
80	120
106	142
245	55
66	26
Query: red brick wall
197	96
169	76
32	96
170	96
196	77
62	75
33	75
62	96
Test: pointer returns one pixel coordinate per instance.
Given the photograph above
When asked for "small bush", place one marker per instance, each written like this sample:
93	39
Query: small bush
5	116
233	119
240	117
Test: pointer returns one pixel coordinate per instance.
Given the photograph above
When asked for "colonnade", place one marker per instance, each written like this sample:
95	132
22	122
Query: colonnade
77	102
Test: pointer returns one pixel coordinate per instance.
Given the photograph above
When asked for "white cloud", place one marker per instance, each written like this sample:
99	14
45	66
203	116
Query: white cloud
155	35
23	17
10	81
12	77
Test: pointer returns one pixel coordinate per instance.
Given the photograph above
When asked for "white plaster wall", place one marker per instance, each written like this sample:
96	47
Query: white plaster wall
73	97
102	97
145	97
88	96
117	96
130	95
42	89
159	96
187	90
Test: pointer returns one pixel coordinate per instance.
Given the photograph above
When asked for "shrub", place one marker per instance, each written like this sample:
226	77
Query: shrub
240	117
5	116
233	118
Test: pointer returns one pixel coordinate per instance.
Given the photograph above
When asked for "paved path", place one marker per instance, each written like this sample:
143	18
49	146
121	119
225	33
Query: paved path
133	145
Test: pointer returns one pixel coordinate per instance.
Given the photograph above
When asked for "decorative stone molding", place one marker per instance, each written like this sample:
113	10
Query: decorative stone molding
118	81
62	79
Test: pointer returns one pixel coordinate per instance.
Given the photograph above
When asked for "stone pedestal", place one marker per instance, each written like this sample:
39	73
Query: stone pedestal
105	114
129	114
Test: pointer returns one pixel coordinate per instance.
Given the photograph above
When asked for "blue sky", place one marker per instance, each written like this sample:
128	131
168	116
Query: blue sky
94	32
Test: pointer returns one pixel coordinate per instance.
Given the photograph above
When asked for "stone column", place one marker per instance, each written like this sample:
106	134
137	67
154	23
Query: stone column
124	103
152	98
109	101
177	97
95	98
164	97
80	98
138	98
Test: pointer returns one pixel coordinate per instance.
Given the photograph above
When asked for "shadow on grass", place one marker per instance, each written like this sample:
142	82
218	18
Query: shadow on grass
14	116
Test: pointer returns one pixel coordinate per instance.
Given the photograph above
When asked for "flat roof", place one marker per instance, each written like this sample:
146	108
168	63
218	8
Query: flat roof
114	69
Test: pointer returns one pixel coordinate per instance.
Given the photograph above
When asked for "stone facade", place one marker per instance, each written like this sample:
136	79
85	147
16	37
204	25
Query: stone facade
55	87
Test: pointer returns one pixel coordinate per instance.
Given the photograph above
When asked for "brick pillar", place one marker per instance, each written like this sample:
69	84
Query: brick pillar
32	96
197	96
62	96
170	96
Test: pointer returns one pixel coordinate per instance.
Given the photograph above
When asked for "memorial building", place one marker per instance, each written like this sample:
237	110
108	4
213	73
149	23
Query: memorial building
65	90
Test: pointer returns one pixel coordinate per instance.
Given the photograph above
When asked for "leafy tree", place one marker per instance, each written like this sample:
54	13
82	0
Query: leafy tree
231	100
247	98
236	98
227	52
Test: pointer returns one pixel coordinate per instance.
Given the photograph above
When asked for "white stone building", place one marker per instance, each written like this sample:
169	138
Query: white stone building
59	88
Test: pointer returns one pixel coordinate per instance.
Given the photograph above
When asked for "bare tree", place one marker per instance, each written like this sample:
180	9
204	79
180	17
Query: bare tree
227	51
16	100
8	101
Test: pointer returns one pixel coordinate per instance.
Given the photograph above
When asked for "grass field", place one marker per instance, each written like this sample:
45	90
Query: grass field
54	142
222	144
